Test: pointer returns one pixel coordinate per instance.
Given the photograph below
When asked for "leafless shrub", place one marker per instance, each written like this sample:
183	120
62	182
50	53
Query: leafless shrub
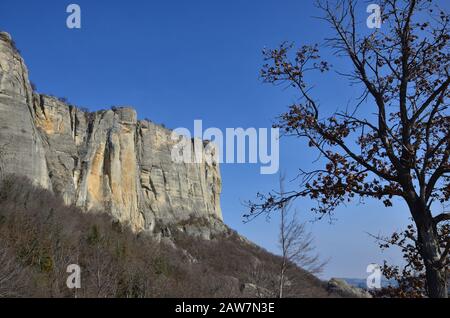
13	277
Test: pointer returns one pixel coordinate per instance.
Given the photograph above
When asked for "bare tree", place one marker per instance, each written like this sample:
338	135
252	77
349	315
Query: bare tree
12	276
401	147
3	153
296	244
102	271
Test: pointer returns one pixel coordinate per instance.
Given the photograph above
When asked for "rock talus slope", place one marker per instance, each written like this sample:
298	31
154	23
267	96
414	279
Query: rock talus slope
105	160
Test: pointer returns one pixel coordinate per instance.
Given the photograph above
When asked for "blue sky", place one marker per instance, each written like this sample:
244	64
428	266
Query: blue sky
177	61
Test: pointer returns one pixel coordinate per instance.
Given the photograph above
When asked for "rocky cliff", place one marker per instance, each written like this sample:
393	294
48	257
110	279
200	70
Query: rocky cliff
106	160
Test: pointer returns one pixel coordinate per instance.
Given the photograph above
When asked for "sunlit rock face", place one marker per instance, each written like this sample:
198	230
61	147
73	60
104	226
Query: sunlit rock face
105	160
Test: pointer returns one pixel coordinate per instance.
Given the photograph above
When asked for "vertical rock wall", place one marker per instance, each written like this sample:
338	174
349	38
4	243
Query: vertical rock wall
21	144
107	160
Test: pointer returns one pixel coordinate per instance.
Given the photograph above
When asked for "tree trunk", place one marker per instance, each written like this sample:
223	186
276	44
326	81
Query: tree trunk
429	250
280	294
437	283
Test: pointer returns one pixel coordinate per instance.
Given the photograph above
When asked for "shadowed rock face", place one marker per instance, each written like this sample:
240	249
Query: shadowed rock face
18	134
107	160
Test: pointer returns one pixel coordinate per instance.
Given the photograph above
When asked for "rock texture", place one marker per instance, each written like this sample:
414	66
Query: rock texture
343	289
20	139
106	160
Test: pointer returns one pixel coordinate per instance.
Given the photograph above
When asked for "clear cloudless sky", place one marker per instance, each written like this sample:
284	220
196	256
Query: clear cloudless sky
176	61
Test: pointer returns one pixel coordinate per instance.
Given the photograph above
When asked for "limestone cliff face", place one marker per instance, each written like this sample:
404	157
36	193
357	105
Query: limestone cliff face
22	143
106	160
